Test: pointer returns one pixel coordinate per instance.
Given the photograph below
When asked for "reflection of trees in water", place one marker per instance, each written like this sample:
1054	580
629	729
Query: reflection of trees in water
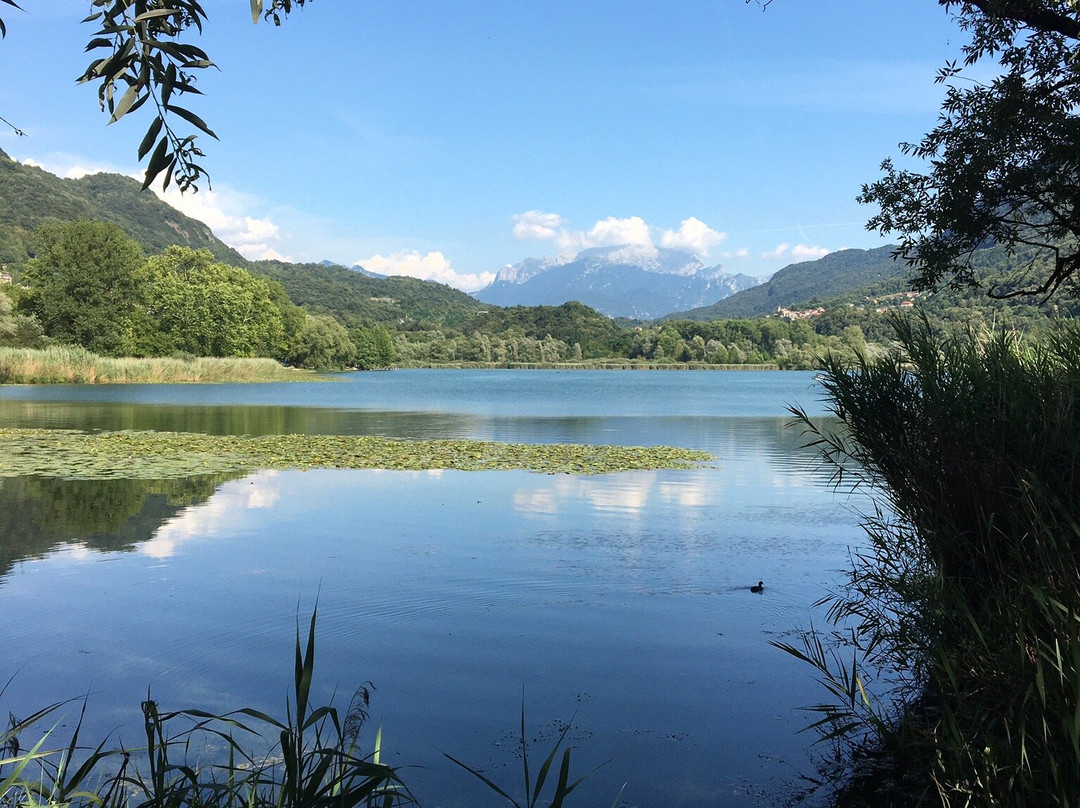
240	420
234	419
39	513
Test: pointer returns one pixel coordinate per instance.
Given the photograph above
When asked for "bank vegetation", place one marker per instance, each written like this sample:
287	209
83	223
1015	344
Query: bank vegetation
954	672
74	365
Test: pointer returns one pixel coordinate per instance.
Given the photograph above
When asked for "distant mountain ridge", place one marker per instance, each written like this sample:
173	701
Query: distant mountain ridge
353	268
625	281
837	275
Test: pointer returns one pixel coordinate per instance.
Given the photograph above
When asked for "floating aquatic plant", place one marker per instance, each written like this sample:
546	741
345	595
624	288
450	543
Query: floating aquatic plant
74	454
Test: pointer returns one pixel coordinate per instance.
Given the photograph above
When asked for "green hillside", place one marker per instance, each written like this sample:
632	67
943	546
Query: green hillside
862	273
573	322
30	195
400	303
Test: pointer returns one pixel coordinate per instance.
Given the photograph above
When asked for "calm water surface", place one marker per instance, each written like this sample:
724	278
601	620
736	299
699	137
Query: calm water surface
621	601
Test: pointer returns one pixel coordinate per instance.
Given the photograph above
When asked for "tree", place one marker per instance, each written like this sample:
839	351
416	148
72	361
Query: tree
17	330
323	343
374	347
202	307
85	284
1004	157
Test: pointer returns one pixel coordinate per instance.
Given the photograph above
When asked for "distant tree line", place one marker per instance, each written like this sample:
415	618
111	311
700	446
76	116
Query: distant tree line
573	332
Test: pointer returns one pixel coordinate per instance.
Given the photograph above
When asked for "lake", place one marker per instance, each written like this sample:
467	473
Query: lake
620	602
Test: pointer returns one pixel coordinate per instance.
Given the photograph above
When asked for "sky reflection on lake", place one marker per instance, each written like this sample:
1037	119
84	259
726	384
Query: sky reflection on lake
621	600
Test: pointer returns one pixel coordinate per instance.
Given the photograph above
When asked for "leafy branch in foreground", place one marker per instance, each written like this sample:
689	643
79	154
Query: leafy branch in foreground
145	60
1004	159
146	57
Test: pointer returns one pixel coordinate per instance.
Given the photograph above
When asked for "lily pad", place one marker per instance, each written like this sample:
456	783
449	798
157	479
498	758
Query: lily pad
74	454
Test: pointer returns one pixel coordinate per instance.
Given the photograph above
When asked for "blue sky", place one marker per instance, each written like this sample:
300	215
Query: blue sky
447	139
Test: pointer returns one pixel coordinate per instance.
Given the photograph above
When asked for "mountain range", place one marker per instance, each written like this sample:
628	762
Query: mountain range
624	281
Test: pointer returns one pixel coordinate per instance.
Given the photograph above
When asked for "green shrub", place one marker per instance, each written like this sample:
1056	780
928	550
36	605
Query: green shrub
962	616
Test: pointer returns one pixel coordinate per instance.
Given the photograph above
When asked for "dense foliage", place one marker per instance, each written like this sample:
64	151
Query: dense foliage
196	306
963	661
18	330
90	286
84	285
30	196
1004	159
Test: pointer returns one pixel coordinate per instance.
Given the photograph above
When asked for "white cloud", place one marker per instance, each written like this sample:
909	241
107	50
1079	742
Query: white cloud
800	252
431	267
535	224
260	490
804	252
223	211
693	236
779	252
62	166
617	232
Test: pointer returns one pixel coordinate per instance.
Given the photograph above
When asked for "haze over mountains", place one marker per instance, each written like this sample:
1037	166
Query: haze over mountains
626	281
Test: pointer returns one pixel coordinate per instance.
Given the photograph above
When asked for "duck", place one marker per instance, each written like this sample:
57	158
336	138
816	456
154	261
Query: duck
758	588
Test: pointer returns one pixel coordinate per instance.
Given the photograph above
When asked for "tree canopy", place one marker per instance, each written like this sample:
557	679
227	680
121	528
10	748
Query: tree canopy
90	285
1004	158
198	306
84	284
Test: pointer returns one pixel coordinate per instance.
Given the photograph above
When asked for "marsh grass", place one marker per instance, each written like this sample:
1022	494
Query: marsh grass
955	664
65	365
310	758
534	795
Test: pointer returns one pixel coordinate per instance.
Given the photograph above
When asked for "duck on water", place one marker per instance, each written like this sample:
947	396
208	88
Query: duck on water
758	588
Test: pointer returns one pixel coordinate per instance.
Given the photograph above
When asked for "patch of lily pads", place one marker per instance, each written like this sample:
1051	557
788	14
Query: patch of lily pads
73	454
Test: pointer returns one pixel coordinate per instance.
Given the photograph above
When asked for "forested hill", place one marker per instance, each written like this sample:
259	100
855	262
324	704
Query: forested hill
402	303
862	273
30	195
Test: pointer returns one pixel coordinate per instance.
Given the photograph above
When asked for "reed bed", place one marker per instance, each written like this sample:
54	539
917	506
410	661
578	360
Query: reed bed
956	677
69	365
312	757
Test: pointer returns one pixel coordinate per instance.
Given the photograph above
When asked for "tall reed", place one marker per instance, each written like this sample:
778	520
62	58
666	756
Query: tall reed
310	758
66	365
961	658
